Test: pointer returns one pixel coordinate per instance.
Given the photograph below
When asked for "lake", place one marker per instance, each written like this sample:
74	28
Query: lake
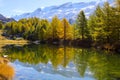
46	62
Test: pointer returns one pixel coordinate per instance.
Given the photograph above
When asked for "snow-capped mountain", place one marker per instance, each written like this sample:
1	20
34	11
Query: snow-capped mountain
68	10
4	19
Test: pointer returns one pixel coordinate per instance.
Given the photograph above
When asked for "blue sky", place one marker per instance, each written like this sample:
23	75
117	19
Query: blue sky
15	7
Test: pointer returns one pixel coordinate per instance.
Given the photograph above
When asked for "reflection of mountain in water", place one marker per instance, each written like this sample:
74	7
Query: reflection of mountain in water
67	62
70	71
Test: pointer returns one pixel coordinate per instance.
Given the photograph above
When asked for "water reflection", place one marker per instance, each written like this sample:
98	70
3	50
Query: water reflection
41	54
67	61
6	71
103	66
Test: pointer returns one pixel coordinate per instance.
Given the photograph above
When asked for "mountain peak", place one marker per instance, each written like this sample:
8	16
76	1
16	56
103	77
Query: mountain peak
66	4
38	10
67	10
4	19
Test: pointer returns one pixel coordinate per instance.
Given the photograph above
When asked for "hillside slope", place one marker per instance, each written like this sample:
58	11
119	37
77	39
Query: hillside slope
68	10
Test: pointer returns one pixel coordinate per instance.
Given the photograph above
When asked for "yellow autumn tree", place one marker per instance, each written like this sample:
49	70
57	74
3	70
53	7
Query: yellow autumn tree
68	29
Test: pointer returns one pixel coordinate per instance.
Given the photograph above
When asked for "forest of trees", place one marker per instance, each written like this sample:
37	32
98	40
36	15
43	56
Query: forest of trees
102	26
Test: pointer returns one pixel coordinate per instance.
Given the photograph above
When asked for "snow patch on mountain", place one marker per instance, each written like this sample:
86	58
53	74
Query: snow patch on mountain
68	10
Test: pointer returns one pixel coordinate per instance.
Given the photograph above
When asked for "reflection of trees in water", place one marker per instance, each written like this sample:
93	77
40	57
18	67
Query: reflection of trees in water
41	54
81	59
61	56
6	71
102	66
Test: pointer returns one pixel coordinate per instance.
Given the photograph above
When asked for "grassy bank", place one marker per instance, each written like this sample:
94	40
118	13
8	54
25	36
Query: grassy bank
4	40
14	42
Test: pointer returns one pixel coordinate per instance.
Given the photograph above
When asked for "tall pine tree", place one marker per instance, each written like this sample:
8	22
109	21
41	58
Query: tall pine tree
82	25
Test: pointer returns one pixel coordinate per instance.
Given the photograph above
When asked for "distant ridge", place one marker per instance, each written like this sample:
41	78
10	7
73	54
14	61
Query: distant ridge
4	19
68	10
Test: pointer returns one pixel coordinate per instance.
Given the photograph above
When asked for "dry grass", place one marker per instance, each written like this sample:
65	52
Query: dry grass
6	71
14	42
4	40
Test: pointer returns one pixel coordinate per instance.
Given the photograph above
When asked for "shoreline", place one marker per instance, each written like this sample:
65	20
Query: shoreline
14	42
84	44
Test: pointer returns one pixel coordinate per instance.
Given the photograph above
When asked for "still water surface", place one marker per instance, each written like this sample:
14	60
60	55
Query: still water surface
43	62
